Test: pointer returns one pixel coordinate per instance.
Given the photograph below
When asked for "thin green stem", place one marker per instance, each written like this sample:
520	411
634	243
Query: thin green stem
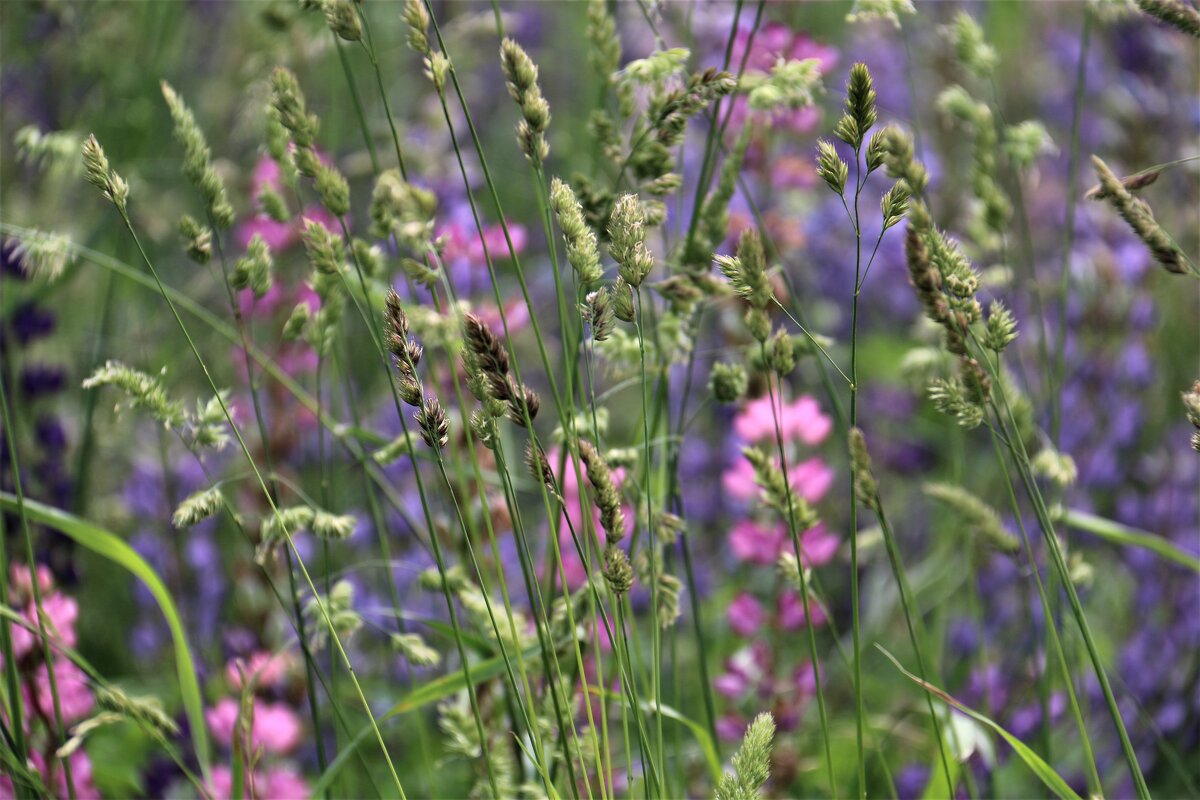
1064	274
263	486
794	532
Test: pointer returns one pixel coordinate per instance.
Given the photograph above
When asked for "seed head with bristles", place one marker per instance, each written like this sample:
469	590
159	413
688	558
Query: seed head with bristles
288	102
608	499
197	160
860	112
101	175
860	466
751	763
830	167
324	248
431	419
618	572
417	20
343	19
253	271
1191	401
728	382
580	239
197	239
1001	327
1140	218
598	311
521	77
627	236
198	507
1176	13
980	518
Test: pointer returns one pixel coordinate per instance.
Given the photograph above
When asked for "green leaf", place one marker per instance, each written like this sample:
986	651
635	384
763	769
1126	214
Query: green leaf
109	546
1117	533
1054	782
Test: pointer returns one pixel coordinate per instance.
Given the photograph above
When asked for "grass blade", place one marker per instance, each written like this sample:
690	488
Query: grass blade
1045	773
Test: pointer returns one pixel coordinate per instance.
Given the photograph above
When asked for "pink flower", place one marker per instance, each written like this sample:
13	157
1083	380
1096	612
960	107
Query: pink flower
776	40
516	314
282	783
756	420
731	728
811	479
269	670
81	776
462	241
817	545
731	684
221	719
279	236
772	42
745	615
756	543
61	613
276	728
738	480
804	678
791	611
74	694
497	245
278	783
800	420
22	584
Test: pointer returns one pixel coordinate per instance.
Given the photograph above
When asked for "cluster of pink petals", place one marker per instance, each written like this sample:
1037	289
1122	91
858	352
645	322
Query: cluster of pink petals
60	615
75	699
772	42
516	315
263	669
790	611
759	544
751	676
276	783
275	727
81	777
801	420
746	615
462	242
810	479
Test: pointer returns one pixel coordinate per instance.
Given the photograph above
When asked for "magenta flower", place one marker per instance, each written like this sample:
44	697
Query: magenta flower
275	727
791	611
811	479
818	546
276	783
61	613
738	480
74	693
22	586
802	420
755	543
268	670
745	615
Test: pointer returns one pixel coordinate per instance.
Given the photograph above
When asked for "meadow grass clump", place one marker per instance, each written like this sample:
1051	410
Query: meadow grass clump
775	418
